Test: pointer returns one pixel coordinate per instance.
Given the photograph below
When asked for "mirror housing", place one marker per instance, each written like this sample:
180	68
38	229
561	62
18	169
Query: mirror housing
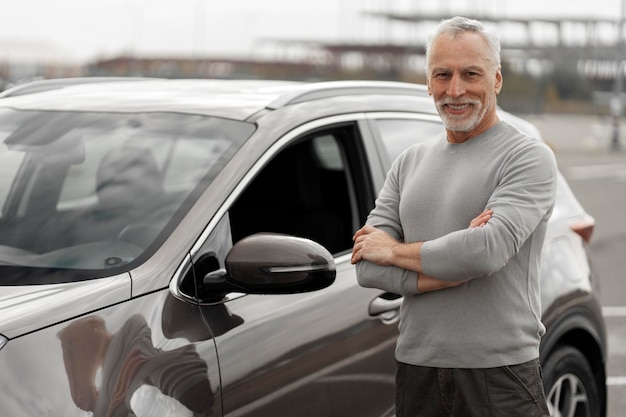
270	263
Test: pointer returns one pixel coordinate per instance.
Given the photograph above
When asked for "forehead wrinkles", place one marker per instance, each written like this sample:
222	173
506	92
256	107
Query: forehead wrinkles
462	70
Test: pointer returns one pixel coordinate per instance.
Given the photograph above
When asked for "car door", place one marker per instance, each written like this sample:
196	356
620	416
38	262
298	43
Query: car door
322	353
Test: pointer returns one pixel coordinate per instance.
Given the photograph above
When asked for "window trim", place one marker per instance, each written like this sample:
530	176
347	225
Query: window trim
288	138
373	117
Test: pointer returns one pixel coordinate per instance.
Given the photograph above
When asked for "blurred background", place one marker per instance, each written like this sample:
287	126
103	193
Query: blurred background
563	67
558	57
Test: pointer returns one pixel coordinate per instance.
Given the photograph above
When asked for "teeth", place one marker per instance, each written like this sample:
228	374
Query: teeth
457	106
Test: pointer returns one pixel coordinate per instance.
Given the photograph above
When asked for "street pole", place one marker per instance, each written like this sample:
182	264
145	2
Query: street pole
617	106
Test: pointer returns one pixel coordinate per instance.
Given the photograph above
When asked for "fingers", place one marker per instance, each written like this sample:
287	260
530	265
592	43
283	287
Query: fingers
356	253
481	219
127	373
358	238
368	236
363	231
356	248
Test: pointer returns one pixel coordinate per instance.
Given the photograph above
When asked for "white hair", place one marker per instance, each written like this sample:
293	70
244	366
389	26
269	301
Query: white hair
459	25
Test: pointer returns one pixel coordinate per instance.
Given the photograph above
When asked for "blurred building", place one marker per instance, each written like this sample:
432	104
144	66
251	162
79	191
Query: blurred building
22	60
209	67
536	46
560	59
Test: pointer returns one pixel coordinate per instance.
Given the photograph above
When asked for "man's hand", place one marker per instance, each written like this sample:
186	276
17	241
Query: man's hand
481	219
374	245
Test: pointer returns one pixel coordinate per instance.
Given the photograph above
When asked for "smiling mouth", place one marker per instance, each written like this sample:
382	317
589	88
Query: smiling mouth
458	107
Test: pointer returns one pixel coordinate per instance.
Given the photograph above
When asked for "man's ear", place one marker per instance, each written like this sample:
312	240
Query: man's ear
498	84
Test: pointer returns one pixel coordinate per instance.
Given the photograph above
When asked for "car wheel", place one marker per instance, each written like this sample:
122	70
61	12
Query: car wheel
569	384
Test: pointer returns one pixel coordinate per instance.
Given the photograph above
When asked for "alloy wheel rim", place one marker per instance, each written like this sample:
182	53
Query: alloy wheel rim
568	398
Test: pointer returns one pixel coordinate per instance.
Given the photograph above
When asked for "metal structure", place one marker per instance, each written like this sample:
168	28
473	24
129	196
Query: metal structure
590	43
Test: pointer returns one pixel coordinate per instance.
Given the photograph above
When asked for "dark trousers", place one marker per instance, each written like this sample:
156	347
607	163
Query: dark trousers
508	391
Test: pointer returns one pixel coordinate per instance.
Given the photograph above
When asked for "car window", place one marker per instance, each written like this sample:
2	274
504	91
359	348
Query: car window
309	190
399	134
181	162
98	191
327	152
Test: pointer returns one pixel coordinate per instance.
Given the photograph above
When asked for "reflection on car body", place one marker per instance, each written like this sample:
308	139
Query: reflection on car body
182	247
127	360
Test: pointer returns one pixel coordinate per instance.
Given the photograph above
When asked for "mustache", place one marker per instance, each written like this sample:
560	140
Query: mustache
458	102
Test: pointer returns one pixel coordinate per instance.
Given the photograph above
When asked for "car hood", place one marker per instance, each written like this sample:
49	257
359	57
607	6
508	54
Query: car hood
25	309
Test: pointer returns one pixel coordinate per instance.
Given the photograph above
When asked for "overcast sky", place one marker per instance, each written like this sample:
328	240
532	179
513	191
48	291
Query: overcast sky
83	30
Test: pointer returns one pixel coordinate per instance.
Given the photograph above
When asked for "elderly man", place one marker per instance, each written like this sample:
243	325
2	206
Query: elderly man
458	230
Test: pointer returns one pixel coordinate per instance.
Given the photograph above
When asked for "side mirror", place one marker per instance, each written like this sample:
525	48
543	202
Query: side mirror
268	263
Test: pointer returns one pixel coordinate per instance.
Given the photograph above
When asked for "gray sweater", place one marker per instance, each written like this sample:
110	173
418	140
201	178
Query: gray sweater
431	193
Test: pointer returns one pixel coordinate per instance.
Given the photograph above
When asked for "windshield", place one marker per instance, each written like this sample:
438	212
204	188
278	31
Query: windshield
93	192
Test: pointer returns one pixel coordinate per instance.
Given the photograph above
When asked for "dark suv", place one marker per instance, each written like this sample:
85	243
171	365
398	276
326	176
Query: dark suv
182	248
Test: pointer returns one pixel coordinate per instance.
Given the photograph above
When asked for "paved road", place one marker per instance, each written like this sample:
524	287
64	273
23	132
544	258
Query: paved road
597	176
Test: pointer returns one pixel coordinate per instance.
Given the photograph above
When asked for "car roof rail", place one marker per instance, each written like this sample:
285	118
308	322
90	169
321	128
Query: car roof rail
39	86
328	89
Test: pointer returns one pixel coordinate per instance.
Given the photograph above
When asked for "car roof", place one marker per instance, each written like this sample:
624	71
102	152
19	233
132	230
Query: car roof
238	99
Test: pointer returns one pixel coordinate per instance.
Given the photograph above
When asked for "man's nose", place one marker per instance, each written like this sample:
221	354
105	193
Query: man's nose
456	88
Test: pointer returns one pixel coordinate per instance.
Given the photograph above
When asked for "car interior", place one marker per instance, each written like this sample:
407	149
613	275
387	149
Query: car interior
304	191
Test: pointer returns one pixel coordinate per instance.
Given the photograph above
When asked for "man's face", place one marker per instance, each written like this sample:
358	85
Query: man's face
463	83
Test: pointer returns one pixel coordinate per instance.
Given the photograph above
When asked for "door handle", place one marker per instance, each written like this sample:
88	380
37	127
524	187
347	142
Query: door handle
386	306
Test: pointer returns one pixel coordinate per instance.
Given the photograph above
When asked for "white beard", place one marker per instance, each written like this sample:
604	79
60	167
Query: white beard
462	123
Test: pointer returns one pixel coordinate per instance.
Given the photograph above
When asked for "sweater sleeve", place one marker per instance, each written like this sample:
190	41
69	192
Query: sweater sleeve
523	198
385	216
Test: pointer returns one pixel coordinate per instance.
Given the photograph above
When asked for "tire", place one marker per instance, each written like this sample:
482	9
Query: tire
569	384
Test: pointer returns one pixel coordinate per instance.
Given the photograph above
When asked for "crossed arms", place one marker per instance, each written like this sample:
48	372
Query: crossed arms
379	247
